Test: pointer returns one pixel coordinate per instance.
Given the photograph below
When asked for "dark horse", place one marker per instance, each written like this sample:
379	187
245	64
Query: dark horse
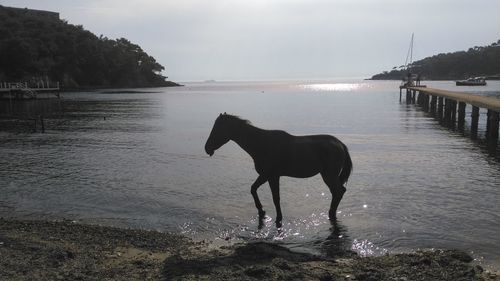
277	153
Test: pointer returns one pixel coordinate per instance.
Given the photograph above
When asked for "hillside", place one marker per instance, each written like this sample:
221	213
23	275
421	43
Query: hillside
38	45
477	61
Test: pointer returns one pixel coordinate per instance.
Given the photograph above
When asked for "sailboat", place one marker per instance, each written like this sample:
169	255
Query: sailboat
411	79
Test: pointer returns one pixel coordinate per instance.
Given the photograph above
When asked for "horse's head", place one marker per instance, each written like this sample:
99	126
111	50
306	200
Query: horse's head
219	134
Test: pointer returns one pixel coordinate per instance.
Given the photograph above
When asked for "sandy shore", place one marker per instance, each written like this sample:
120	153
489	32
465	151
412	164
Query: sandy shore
41	250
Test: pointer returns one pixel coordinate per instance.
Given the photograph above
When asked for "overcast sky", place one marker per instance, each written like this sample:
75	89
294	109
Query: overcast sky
283	39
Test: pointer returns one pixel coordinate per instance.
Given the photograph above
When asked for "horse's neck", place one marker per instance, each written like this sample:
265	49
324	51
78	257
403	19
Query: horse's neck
247	137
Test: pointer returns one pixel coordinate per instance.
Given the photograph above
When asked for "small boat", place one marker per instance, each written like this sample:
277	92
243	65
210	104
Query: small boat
476	81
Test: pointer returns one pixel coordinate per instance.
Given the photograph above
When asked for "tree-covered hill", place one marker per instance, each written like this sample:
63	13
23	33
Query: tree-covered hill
37	47
477	61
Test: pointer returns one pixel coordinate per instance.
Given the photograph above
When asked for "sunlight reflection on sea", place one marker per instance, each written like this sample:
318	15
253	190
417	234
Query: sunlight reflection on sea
336	87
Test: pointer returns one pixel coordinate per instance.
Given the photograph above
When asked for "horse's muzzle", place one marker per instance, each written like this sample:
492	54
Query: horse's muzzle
209	151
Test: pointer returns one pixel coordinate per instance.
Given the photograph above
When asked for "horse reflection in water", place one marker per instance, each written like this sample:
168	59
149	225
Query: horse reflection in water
277	153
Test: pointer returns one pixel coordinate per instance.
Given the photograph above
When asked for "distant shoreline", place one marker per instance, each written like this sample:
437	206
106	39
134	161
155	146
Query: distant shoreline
99	88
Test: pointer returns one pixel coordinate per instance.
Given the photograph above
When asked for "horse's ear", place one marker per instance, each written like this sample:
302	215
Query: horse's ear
220	114
225	113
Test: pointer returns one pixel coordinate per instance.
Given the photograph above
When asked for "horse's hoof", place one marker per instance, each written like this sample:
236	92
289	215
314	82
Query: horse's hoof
262	215
261	224
332	217
279	224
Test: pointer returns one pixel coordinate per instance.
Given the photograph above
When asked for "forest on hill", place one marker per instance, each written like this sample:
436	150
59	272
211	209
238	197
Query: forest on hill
477	61
34	47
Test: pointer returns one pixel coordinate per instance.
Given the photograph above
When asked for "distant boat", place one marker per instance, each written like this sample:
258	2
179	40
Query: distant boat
476	81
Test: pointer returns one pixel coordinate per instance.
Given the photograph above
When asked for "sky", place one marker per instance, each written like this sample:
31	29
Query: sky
198	40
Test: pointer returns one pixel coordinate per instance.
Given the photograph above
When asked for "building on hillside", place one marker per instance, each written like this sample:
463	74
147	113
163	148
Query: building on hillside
33	12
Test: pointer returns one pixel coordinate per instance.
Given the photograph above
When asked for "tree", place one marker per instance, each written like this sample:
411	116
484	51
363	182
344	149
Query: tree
35	46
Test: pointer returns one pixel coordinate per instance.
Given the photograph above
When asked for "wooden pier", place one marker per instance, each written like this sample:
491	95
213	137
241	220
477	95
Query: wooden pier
443	105
23	90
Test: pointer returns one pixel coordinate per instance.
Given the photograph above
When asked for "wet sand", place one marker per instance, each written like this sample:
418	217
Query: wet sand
64	250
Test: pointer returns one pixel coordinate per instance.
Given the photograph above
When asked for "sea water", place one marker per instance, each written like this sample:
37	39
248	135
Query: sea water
136	159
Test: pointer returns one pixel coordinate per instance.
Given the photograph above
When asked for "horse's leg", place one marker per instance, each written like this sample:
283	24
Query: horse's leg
332	180
336	201
274	183
258	182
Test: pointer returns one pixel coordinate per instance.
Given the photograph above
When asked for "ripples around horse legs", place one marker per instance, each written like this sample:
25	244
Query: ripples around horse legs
314	234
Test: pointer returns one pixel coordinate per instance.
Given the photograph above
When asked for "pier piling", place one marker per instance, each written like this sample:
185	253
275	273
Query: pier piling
440	108
433	105
447	115
492	126
453	110
426	102
474	122
461	116
493	129
42	124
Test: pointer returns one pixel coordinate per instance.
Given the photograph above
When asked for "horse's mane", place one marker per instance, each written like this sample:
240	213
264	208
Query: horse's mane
236	119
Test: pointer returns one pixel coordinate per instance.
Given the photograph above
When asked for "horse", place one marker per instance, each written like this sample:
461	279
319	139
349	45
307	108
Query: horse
276	153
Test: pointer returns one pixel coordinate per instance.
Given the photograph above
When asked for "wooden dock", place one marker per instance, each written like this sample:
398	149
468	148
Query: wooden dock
23	90
443	105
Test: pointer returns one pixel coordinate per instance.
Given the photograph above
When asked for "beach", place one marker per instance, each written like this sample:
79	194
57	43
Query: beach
68	250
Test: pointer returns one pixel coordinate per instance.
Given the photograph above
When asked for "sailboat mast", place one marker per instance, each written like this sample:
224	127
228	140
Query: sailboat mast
411	48
409	55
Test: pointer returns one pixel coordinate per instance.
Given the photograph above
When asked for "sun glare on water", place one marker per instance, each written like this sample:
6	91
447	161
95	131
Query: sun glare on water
333	87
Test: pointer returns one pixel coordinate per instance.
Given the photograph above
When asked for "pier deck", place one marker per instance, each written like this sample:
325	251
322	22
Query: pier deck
21	90
443	105
475	100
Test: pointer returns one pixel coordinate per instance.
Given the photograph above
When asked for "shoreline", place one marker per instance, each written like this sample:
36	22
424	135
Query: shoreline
65	250
103	88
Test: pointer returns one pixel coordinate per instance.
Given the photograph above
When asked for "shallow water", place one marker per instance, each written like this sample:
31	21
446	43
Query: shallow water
137	160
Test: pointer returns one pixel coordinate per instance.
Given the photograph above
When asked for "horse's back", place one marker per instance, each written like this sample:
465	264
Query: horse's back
296	156
309	155
322	145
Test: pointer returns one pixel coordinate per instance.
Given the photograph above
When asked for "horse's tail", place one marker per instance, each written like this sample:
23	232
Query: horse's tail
347	166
